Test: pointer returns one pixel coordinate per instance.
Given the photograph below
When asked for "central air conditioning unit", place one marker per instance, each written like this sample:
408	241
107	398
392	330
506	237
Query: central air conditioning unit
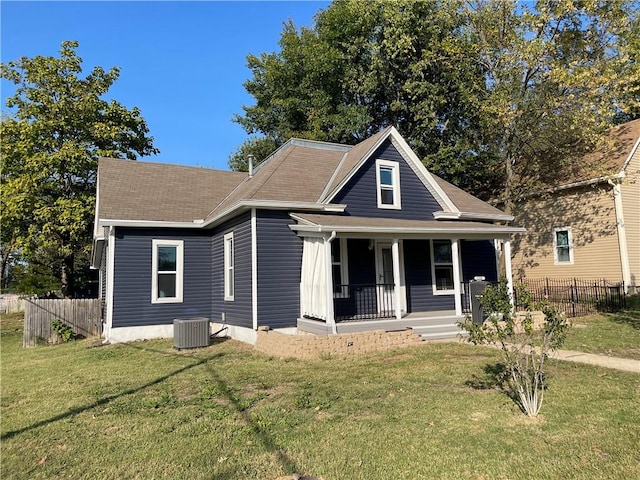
190	332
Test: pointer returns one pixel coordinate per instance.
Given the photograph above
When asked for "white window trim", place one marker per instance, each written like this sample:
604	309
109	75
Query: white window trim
433	271
395	166
344	269
229	254
555	245
179	244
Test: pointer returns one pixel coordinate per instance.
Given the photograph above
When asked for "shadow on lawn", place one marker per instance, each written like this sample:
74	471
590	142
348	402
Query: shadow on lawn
103	401
627	317
234	400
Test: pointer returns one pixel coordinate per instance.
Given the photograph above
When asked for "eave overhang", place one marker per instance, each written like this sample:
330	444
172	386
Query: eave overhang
240	207
492	217
366	227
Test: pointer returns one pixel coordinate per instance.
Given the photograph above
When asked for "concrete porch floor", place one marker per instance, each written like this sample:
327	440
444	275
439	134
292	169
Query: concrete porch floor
429	325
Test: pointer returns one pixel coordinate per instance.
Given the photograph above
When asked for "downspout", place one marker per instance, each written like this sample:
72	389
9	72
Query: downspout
622	234
329	283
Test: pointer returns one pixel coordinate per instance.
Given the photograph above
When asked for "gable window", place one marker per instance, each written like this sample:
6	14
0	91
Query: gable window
229	265
442	267
388	184
167	275
563	245
339	268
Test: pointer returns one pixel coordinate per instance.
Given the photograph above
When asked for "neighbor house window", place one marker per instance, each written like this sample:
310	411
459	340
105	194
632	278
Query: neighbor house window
167	258
388	182
563	245
339	268
442	267
229	265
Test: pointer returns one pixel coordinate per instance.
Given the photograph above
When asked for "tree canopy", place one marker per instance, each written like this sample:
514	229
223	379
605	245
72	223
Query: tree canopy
55	129
491	94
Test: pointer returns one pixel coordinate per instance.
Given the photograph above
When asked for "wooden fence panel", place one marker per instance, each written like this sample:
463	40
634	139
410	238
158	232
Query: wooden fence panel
12	305
82	315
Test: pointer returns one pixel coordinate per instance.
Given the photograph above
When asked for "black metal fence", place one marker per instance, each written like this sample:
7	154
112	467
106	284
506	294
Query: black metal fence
363	302
574	296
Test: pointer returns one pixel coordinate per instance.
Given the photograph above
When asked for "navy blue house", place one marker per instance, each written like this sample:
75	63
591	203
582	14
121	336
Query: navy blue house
322	238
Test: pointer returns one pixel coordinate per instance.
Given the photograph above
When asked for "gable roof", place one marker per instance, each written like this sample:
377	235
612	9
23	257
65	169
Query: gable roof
609	158
608	161
301	175
296	172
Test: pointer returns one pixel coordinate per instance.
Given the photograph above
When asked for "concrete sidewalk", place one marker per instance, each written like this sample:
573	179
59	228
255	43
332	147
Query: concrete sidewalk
625	364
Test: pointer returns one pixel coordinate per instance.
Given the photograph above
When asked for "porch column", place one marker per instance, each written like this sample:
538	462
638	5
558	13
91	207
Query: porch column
507	267
331	319
455	253
395	255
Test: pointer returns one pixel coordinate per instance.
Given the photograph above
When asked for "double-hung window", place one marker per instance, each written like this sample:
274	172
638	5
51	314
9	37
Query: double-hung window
563	246
167	271
442	267
388	184
229	267
339	268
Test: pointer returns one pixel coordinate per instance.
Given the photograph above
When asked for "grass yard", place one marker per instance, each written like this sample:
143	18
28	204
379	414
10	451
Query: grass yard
143	410
614	334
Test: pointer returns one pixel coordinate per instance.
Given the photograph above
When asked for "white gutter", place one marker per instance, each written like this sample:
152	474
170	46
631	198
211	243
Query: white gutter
500	217
226	214
492	229
622	235
568	186
272	205
112	222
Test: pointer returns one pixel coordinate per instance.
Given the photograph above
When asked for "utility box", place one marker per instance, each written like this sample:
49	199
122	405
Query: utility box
475	291
190	332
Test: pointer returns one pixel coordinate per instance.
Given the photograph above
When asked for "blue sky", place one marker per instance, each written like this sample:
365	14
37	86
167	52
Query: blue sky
182	63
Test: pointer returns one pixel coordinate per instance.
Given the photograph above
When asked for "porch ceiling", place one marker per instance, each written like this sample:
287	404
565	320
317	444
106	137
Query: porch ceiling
357	226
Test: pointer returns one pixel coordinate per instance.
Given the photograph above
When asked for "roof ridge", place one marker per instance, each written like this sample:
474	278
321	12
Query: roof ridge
165	164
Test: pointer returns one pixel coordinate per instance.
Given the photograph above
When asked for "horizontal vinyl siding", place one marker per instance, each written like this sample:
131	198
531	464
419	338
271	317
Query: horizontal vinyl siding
631	210
279	266
590	213
478	259
238	311
417	274
132	305
360	193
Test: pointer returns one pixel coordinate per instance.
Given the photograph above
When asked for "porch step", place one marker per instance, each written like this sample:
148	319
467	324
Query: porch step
439	331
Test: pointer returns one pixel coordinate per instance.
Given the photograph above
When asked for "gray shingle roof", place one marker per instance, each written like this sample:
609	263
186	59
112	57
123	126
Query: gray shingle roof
301	171
130	190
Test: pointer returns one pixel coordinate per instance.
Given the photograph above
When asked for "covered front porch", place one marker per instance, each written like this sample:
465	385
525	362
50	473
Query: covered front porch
392	274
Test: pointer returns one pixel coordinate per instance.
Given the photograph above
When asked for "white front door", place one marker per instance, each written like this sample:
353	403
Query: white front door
384	275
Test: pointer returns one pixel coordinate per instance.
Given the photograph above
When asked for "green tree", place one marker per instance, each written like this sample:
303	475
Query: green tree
57	127
364	66
497	96
557	75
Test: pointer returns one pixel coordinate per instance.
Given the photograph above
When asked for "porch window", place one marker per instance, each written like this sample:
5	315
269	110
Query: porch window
339	268
388	183
563	246
167	271
229	264
442	267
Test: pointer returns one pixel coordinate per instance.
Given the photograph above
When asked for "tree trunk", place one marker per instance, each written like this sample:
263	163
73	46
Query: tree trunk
68	277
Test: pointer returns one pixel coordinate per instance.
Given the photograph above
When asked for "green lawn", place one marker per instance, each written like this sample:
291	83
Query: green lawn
614	334
143	410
